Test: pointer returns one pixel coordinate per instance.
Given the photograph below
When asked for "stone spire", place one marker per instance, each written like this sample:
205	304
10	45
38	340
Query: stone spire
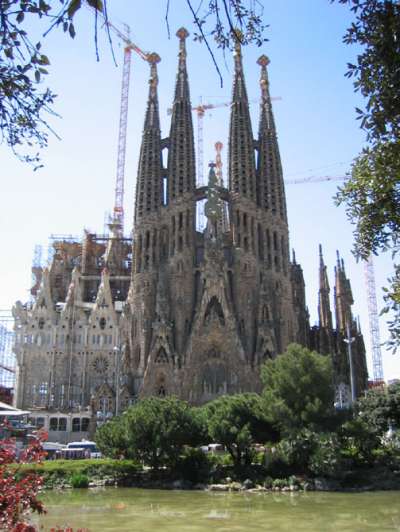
181	161
242	171
213	207
271	193
343	296
149	179
324	308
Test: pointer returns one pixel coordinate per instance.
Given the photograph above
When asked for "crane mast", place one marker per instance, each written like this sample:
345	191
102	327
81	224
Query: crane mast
117	222
118	218
373	320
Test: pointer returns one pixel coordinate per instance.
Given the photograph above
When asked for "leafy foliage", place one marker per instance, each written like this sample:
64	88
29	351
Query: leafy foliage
228	22
111	438
377	72
372	194
238	421
194	465
158	429
392	306
24	105
380	409
298	390
79	480
306	452
18	494
358	441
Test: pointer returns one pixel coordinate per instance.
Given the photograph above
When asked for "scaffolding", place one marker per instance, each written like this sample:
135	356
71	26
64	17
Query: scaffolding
7	357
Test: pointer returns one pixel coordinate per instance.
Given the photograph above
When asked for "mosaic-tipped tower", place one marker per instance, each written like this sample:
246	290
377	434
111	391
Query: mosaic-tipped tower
149	178
241	167
181	159
270	191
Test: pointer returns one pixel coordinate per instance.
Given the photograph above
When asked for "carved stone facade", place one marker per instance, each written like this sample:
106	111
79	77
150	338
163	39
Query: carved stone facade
193	313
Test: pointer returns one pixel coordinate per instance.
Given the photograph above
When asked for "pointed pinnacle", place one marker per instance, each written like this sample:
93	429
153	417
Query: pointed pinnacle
153	58
338	259
182	34
237	54
263	61
320	253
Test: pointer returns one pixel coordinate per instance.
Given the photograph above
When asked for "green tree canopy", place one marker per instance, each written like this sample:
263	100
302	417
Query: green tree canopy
238	421
381	408
372	194
157	430
111	438
298	389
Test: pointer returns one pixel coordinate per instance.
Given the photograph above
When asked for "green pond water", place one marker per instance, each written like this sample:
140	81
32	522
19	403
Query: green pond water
131	509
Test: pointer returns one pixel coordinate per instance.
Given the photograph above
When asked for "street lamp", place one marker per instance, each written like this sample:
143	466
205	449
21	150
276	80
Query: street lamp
349	340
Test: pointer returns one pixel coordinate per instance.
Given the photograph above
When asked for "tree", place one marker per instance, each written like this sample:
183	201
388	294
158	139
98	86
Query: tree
298	389
111	439
25	106
158	429
18	496
372	194
380	408
237	422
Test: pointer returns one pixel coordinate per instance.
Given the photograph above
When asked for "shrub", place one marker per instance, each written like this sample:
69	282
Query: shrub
388	456
268	482
358	441
296	450
79	480
279	483
194	465
327	459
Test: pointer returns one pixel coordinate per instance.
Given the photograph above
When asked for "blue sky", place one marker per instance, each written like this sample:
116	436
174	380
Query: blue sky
316	124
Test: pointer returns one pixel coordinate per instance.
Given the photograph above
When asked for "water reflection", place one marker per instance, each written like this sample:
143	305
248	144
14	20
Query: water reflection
127	509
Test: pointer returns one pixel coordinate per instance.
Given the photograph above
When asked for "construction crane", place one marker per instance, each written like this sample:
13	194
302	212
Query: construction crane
373	320
118	210
314	179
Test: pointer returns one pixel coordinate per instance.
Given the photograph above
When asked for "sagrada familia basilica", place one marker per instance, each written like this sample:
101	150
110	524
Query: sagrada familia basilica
177	311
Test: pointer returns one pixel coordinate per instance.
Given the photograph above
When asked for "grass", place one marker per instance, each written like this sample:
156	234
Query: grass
56	471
